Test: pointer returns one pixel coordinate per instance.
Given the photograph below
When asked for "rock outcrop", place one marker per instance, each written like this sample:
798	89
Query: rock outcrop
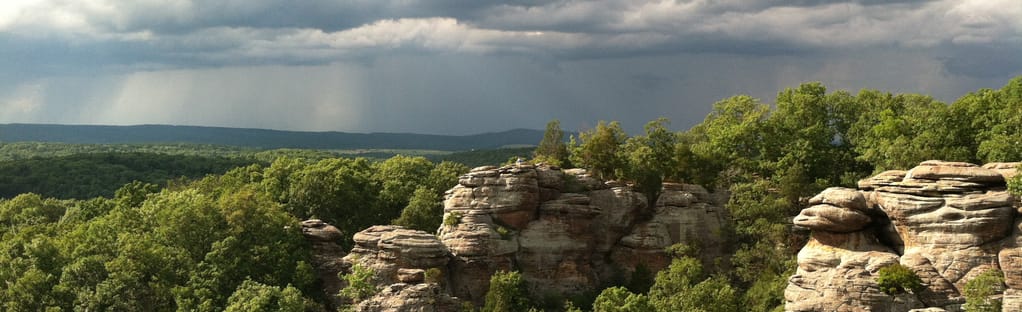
567	232
947	221
402	297
327	256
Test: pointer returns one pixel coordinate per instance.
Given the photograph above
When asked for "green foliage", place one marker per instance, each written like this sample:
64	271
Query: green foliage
424	212
979	292
360	283
684	287
599	150
434	275
507	293
731	136
90	175
254	296
897	279
187	249
398	178
681	250
551	149
619	299
648	159
899	131
452	219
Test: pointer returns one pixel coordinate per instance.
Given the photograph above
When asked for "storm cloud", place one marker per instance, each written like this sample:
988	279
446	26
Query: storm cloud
461	67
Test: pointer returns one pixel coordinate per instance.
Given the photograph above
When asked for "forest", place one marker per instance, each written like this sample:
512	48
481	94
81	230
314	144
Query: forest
213	232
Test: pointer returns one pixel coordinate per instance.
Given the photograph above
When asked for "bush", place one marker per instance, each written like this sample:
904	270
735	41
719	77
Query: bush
896	279
619	299
979	291
452	219
360	283
507	293
434	275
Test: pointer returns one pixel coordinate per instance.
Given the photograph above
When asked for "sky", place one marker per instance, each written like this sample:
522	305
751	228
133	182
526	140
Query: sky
473	66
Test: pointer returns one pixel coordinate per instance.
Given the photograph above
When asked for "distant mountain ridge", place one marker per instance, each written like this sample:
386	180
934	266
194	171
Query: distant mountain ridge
262	138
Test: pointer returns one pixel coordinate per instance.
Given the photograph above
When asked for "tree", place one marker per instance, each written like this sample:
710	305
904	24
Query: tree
729	139
398	177
649	158
682	287
360	284
679	277
979	292
599	150
257	297
897	279
619	299
552	149
507	293
424	212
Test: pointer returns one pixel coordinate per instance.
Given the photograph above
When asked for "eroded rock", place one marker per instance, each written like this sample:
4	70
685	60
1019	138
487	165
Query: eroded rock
949	222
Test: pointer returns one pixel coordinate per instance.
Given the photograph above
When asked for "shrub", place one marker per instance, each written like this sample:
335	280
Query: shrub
619	299
979	291
896	279
452	219
434	275
360	283
507	293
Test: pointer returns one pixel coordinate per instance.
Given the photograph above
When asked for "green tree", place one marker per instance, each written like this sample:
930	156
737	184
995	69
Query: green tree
552	149
254	296
897	279
399	177
730	139
360	283
979	292
424	212
599	150
507	293
649	158
679	277
619	299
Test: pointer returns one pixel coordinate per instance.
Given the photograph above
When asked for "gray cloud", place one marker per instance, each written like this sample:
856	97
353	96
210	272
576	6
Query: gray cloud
456	66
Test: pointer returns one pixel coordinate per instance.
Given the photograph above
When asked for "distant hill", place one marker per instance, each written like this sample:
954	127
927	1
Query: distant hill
261	138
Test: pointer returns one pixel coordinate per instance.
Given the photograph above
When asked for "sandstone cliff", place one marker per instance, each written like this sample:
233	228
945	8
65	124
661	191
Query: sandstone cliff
947	221
565	231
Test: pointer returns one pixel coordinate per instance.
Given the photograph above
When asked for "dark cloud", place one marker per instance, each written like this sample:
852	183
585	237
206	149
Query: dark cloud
458	66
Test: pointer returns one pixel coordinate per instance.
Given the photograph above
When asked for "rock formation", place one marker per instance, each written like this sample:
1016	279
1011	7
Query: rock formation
326	257
947	221
567	232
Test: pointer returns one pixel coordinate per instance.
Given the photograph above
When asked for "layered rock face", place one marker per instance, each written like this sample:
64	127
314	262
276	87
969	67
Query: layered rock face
566	232
947	221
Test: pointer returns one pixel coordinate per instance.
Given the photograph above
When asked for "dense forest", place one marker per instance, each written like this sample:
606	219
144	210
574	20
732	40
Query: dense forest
232	242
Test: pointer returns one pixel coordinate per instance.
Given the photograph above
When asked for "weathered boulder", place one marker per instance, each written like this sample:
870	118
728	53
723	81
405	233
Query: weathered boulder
832	219
387	249
402	297
948	222
1007	169
837	272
